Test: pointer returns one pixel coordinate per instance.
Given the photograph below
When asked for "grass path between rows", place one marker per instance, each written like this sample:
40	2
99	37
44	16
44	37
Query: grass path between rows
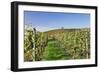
53	51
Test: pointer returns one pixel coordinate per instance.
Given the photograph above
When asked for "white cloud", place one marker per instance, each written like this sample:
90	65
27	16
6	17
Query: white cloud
39	28
43	28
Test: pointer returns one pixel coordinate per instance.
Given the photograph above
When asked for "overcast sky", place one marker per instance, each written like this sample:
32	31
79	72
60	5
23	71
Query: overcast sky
44	21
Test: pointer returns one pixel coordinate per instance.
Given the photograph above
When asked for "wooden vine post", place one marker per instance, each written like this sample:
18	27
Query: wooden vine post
34	43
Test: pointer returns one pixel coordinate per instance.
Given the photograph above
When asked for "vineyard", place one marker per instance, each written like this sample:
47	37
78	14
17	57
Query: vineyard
58	44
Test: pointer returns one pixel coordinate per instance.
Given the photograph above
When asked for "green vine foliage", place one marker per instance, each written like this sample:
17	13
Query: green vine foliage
62	44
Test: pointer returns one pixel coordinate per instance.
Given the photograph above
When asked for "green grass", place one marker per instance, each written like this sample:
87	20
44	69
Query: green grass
53	51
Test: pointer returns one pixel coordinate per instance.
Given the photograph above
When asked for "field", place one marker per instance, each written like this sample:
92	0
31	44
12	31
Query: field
57	44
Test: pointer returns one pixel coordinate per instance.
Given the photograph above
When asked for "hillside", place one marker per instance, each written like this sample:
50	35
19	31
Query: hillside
57	44
60	31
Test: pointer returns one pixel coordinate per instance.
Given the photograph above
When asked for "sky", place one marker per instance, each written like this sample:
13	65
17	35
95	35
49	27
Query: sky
45	21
